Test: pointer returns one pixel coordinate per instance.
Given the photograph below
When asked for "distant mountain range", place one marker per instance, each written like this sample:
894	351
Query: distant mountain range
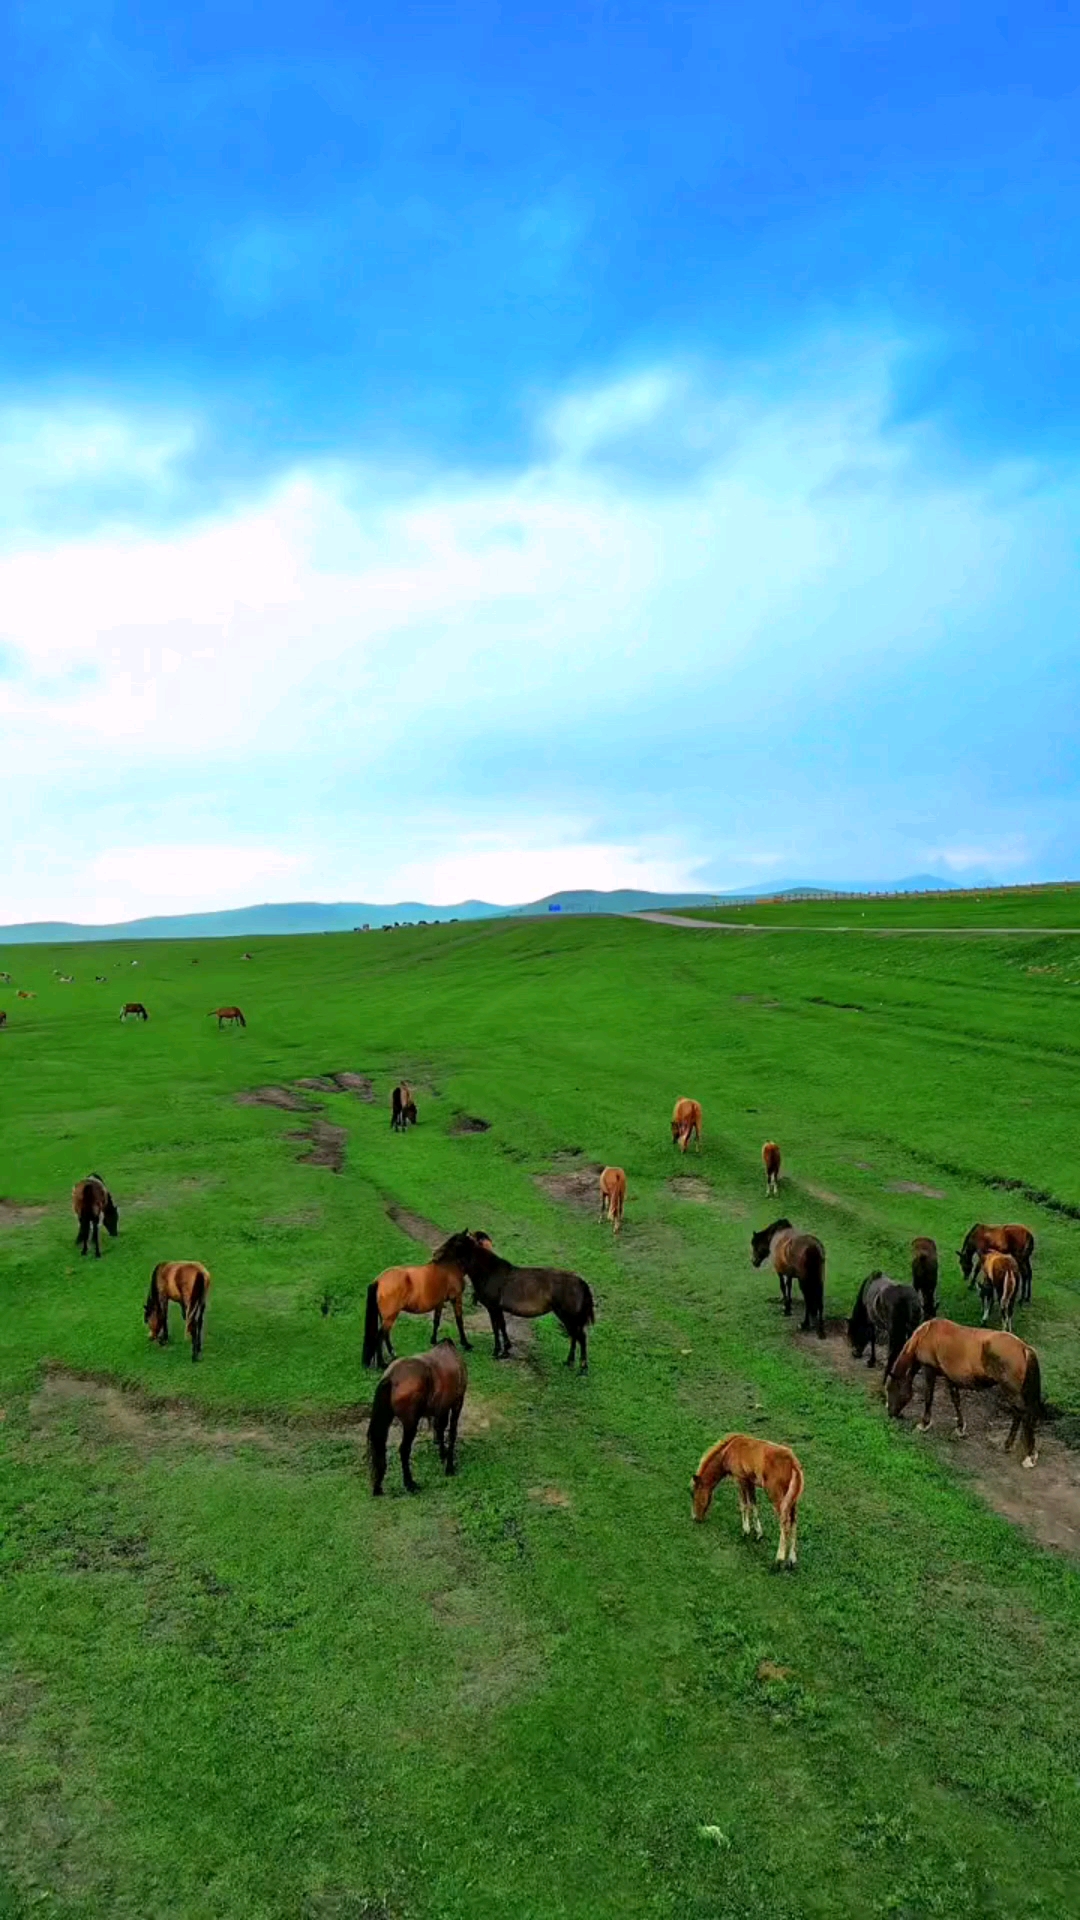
308	916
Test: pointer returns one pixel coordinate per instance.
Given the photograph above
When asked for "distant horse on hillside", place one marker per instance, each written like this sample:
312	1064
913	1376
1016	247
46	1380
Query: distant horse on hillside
134	1009
22	994
93	1206
528	1292
420	1289
402	1108
883	1310
188	1283
227	1016
686	1124
770	1157
612	1197
975	1358
924	1273
3	1018
1017	1240
754	1463
423	1386
794	1256
999	1279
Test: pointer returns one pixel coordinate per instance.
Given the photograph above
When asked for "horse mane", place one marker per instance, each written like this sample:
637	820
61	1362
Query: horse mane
710	1453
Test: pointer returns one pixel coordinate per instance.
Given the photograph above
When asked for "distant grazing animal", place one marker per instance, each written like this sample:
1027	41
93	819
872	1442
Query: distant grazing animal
3	1018
883	1310
21	994
770	1157
6	979
402	1108
976	1358
1017	1240
421	1289
527	1291
188	1283
425	1385
100	979
228	1016
924	1273
134	1010
753	1464
66	979
247	956
794	1256
686	1124
999	1279
92	1204
612	1197
134	963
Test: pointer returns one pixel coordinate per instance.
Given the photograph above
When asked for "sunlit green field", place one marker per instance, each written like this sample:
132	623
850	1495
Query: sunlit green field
234	1685
1004	910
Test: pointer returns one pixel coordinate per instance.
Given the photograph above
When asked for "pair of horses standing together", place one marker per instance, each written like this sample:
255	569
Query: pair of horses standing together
887	1311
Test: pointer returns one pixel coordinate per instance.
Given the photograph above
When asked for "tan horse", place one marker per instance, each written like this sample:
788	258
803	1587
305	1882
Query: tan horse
612	1197
188	1283
425	1289
999	1278
974	1358
227	1016
754	1463
686	1124
770	1159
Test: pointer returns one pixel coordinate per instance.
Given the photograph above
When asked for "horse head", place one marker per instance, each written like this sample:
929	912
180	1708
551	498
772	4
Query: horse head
111	1216
761	1241
152	1311
898	1392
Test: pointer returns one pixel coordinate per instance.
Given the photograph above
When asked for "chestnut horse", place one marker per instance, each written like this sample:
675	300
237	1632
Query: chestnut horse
92	1203
227	1016
770	1157
794	1256
425	1289
754	1463
999	1278
425	1385
528	1292
134	1008
975	1358
924	1273
612	1197
188	1283
402	1108
1017	1240
686	1124
886	1310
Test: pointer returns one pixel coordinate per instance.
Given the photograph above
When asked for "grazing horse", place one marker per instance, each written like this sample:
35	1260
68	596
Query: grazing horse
187	1282
770	1159
402	1108
794	1256
5	979
924	1273
887	1310
975	1358
100	979
754	1463
425	1289
999	1278
686	1124
66	979
430	1385
612	1197
92	1203
227	1016
21	994
1017	1240
3	1018
135	1009
527	1291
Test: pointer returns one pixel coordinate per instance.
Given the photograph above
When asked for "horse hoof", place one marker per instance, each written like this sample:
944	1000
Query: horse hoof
1031	1459
922	1426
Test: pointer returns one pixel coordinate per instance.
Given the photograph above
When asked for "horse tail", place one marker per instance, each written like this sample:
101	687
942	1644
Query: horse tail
814	1286
1031	1389
858	1327
243	1022
379	1419
588	1317
793	1493
152	1297
196	1298
371	1325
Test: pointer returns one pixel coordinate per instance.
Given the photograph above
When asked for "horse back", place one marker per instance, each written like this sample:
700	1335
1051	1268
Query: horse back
531	1291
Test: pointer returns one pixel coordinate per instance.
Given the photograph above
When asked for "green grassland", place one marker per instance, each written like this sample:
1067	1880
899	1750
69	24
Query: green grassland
235	1686
1004	910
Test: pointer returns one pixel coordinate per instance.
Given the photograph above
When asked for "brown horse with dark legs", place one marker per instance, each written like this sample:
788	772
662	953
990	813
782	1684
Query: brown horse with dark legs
528	1292
227	1016
753	1464
424	1386
188	1283
686	1124
999	1279
612	1197
794	1256
3	1018
93	1206
402	1108
883	1310
1015	1239
134	1009
974	1358
425	1289
770	1159
924	1273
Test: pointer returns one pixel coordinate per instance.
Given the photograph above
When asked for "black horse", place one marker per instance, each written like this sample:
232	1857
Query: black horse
527	1291
887	1311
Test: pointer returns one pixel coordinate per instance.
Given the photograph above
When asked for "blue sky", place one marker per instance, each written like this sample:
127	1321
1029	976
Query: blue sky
472	451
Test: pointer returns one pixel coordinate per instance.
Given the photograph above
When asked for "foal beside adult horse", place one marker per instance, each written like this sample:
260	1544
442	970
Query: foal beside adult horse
999	1279
754	1463
975	1358
883	1309
188	1283
93	1204
794	1256
1015	1239
423	1289
528	1292
423	1386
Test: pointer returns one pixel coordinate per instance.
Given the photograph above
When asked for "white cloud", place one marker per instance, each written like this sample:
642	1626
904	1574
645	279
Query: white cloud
509	873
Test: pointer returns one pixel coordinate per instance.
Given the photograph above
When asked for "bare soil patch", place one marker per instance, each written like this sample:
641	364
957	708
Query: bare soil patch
470	1123
319	1083
14	1214
129	1411
424	1232
284	1098
358	1083
326	1146
550	1496
823	1194
300	1217
913	1186
690	1186
574	1180
521	1333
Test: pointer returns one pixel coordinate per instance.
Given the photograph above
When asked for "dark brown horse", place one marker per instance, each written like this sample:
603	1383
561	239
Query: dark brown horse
1017	1240
424	1386
134	1009
420	1289
883	1310
528	1292
794	1256
974	1358
402	1108
924	1273
754	1463
93	1205
3	1018
188	1283
228	1016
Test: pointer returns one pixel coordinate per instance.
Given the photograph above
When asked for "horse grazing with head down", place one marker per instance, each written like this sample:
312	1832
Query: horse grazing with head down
753	1464
93	1206
770	1160
528	1292
227	1017
402	1108
612	1197
924	1273
134	1009
3	1018
794	1256
973	1358
424	1386
883	1310
1015	1239
999	1279
188	1283
423	1289
686	1124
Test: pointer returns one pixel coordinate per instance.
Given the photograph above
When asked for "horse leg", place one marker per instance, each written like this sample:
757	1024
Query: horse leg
785	1292
439	1428
744	1507
462	1335
752	1509
954	1395
872	1362
1032	1453
1013	1431
928	1401
572	1331
455	1416
408	1435
435	1323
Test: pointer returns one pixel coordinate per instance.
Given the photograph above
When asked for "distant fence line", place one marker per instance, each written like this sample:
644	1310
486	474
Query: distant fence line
890	893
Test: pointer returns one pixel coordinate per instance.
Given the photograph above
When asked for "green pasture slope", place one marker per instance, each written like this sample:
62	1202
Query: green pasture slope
1002	910
235	1686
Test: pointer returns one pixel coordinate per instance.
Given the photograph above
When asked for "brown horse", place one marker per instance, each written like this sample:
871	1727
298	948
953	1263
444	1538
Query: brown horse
1017	1240
770	1159
92	1203
975	1358
686	1124
188	1283
426	1385
134	1009
999	1278
754	1463
3	1018
227	1016
528	1292
425	1289
21	994
402	1108
924	1273
794	1256
612	1197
